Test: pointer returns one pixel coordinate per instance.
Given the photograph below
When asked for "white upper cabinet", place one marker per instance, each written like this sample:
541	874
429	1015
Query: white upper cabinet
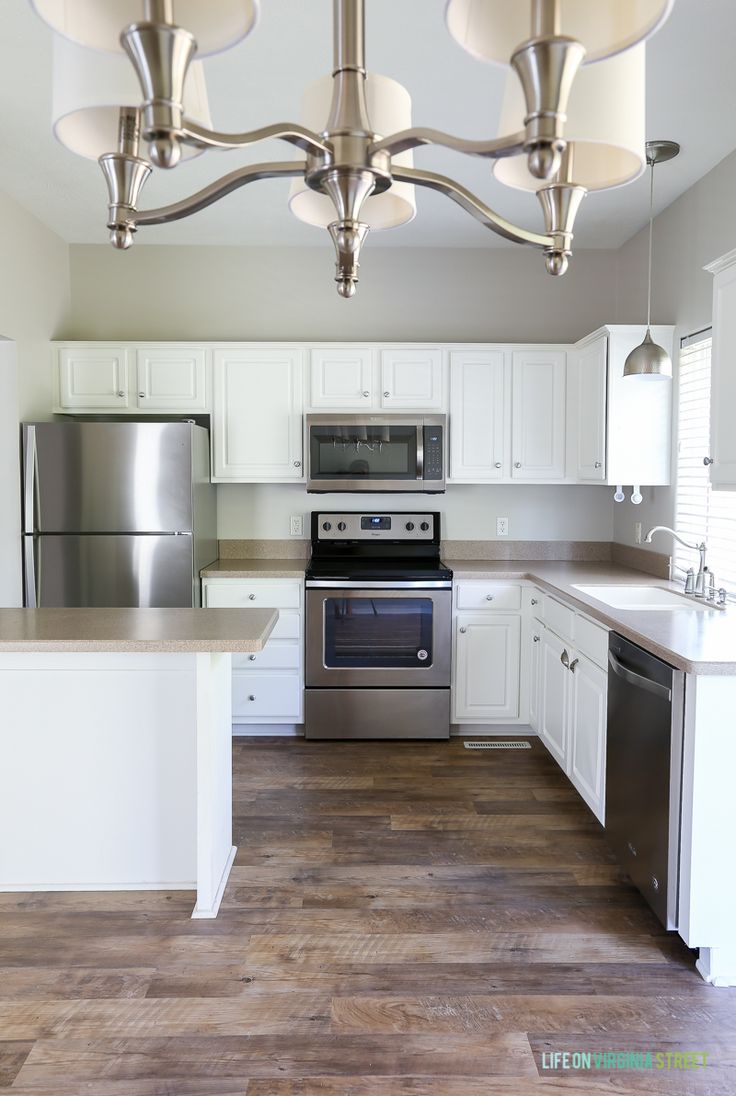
588	374
257	422
93	378
411	380
342	377
723	374
538	414
623	422
479	437
172	378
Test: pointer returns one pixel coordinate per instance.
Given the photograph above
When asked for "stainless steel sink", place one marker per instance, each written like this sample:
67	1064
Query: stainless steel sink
643	598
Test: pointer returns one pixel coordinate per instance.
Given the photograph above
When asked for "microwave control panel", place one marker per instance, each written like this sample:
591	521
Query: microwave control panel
433	453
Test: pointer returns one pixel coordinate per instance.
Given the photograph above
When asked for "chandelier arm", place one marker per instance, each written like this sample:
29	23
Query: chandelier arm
305	139
472	205
212	193
511	145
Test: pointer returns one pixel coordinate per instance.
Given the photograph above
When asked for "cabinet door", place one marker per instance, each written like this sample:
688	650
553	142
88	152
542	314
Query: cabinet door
723	380
588	733
93	378
535	644
171	378
590	372
257	423
554	696
478	435
538	415
341	377
411	380
487	660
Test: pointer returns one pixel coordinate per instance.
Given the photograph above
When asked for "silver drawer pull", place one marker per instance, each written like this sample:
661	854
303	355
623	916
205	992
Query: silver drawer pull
489	597
251	697
251	597
121	395
497	464
366	395
573	664
565	659
386	394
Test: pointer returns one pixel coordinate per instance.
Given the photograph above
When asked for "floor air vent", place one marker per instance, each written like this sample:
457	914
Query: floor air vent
494	745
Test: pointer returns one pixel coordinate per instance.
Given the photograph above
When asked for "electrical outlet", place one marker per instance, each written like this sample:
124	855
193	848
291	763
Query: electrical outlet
637	532
296	525
502	527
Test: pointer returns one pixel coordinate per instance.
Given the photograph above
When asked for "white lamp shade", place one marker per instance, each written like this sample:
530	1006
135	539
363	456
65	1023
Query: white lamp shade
606	121
88	90
389	109
216	24
493	29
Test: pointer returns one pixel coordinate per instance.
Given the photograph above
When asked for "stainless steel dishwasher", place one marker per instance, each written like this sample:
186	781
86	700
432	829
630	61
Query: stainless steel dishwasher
644	772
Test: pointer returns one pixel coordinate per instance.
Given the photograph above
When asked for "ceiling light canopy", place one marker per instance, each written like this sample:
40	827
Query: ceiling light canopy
216	24
356	139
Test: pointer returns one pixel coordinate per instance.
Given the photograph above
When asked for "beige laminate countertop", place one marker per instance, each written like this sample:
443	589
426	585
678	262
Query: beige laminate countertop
255	568
699	641
178	631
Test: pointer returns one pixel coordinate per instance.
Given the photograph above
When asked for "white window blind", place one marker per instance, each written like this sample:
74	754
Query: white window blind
701	513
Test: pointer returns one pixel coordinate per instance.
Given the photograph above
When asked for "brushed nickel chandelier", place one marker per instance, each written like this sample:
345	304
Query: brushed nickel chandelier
572	119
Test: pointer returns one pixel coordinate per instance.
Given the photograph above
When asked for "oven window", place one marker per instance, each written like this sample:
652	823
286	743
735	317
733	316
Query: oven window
363	452
376	632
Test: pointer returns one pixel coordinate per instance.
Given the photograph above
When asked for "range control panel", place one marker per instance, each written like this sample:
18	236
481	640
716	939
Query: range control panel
376	526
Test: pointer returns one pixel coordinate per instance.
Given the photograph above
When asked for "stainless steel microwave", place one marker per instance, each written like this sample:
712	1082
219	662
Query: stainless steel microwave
376	453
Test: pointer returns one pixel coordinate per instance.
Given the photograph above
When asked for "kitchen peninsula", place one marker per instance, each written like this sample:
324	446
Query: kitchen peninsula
115	747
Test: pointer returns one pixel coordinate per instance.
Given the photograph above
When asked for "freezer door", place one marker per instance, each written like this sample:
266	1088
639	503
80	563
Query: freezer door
109	571
107	477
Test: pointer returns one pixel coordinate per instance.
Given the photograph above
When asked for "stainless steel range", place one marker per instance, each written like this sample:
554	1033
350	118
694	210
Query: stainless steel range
379	606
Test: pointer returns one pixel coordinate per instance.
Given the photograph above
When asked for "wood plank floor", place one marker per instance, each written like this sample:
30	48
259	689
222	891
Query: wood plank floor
403	919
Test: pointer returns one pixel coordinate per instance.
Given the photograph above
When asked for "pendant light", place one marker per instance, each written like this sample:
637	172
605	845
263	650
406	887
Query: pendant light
648	359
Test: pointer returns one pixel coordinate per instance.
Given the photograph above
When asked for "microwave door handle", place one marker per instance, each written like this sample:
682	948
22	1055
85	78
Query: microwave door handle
420	452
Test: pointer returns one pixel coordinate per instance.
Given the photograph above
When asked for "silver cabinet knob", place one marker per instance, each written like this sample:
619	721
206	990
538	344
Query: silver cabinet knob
366	395
536	639
598	464
534	601
121	395
251	697
251	658
297	464
489	597
573	664
517	464
707	461
251	597
141	395
497	464
387	394
565	659
463	629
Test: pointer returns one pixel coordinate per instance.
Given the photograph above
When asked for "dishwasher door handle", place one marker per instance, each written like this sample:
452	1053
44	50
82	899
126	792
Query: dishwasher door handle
637	680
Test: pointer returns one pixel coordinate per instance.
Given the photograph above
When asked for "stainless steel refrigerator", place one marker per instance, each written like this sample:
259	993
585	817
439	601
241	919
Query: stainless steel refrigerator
116	514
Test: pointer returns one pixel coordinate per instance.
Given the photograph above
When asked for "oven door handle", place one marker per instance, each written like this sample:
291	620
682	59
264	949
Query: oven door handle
420	451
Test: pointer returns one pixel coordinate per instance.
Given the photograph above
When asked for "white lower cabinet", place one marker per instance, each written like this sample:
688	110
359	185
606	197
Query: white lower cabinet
568	695
268	686
487	656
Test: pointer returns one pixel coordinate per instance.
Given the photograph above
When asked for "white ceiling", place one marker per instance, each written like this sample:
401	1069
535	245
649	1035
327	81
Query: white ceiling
691	93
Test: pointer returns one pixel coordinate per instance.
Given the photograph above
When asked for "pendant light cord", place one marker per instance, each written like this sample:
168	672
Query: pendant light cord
651	212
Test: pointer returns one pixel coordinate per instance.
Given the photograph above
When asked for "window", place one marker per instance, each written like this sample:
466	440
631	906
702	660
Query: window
700	512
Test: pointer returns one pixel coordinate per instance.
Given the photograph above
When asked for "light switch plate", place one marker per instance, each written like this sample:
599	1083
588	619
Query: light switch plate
502	527
296	525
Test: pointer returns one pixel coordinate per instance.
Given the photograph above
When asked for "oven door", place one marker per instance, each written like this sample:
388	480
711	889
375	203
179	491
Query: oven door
389	638
361	453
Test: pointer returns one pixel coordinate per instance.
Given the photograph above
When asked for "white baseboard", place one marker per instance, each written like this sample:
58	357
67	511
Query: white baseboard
268	730
491	730
131	886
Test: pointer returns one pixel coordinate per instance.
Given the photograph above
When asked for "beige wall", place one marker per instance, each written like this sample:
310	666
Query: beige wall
694	230
493	294
34	300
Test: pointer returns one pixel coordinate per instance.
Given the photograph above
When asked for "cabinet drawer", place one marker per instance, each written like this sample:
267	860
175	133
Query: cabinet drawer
559	618
532	601
243	595
487	595
279	655
266	696
592	640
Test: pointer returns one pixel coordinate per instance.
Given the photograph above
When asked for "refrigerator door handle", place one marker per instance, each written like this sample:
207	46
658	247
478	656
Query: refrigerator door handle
29	570
29	479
